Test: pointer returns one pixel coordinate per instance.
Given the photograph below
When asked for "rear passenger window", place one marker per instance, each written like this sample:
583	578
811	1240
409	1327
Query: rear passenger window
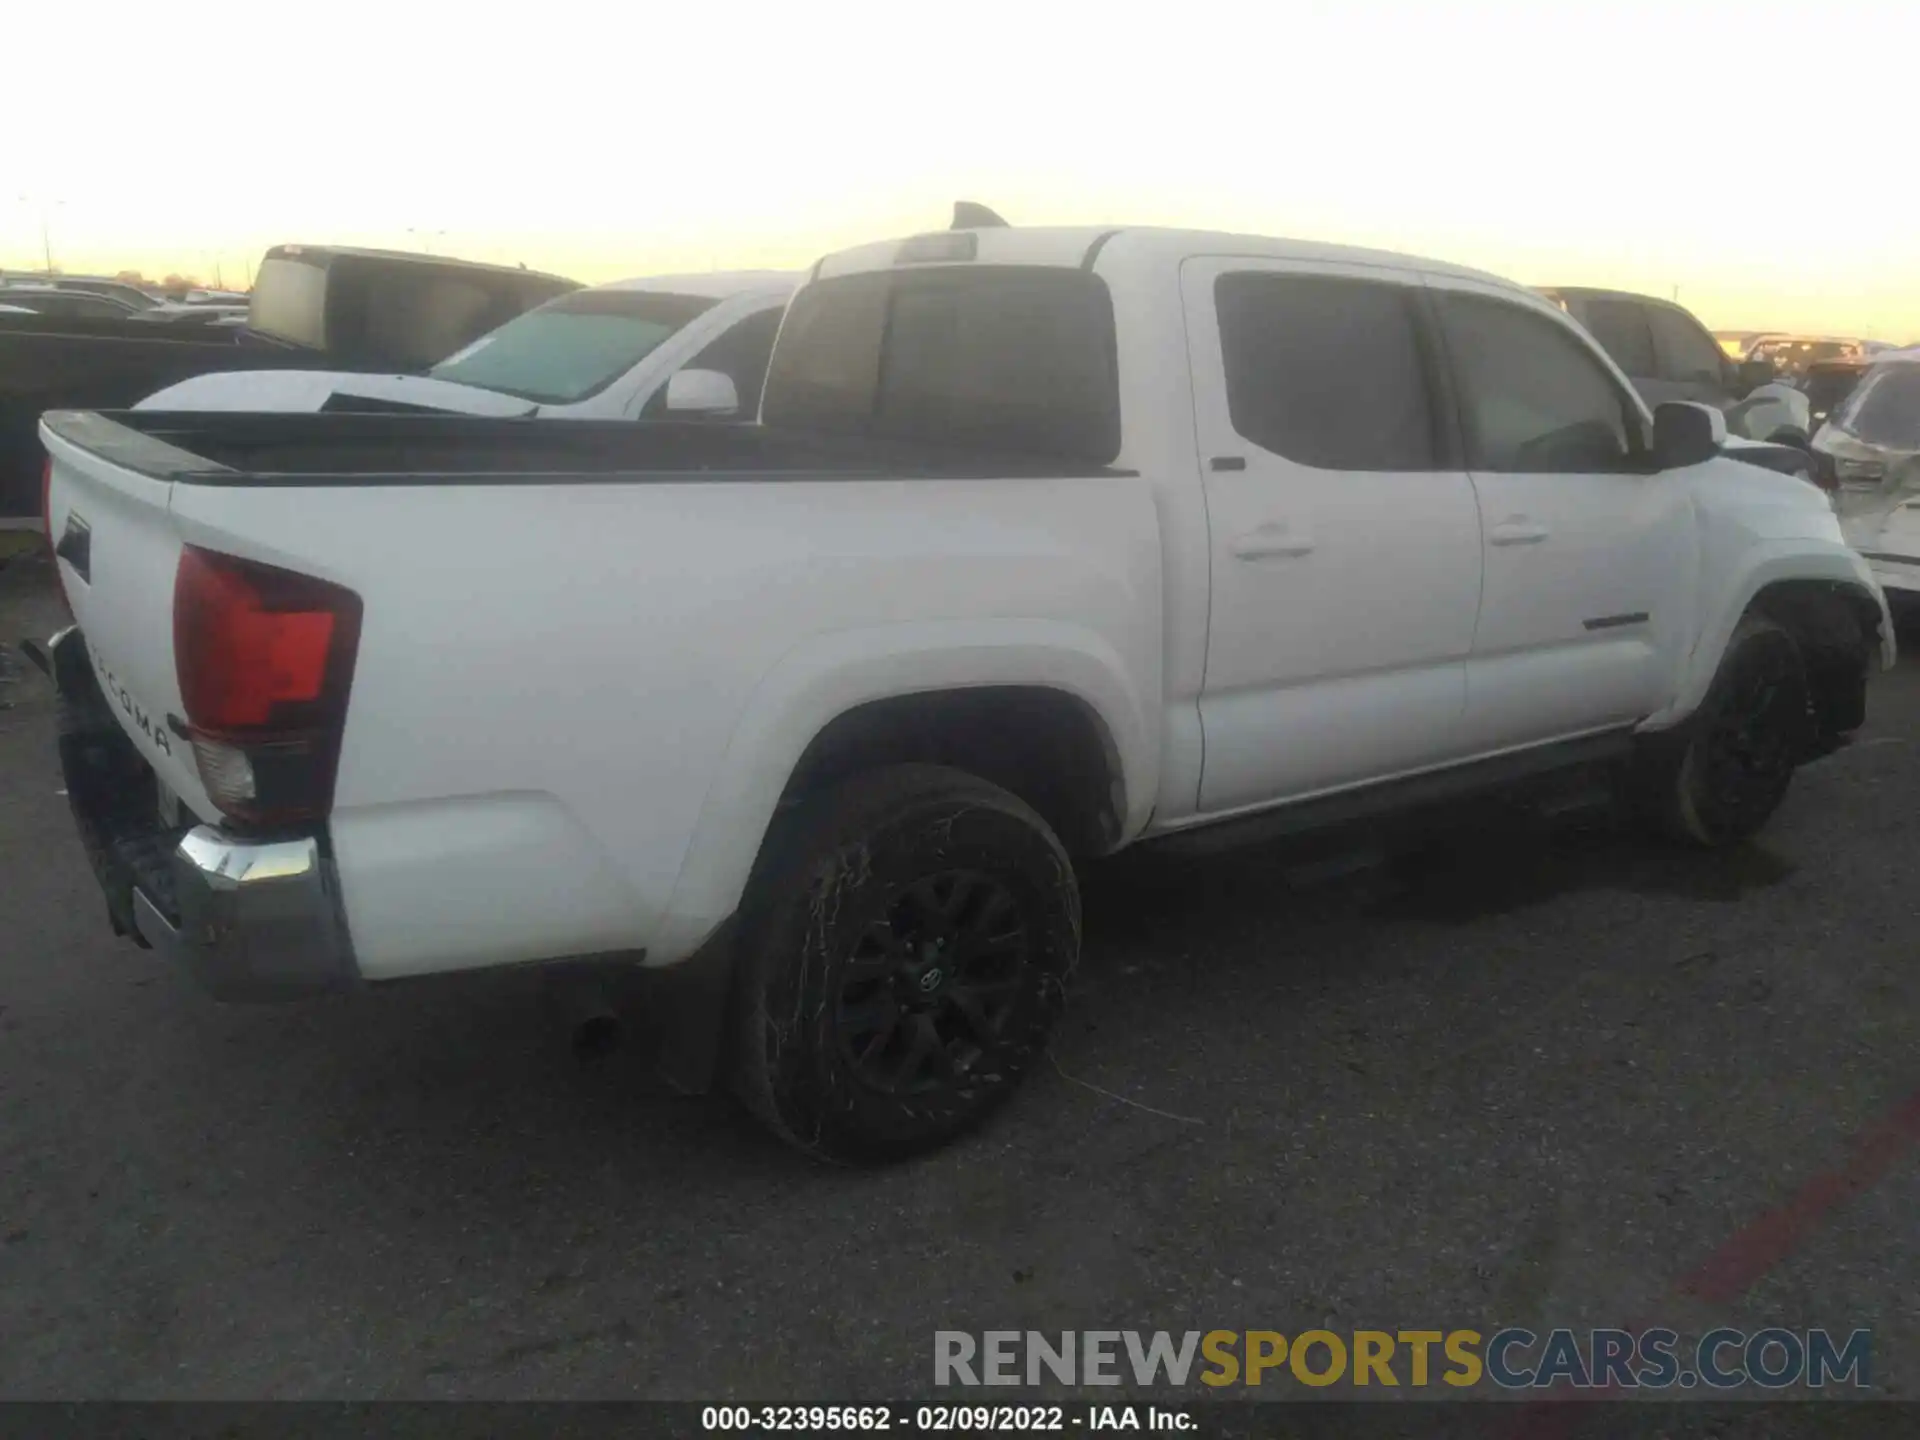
1533	398
1686	351
1326	372
1621	328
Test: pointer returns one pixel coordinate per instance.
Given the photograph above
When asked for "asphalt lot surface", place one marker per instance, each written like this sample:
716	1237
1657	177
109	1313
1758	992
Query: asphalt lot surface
1514	1079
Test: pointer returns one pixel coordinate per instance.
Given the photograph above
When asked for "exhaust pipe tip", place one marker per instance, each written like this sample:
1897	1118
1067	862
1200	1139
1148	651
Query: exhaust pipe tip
593	1027
597	1037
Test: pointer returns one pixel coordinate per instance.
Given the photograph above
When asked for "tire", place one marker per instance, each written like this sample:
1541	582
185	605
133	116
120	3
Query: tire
858	1035
1719	780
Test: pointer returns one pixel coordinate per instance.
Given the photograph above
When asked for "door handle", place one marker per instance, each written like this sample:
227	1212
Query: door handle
1273	541
1518	530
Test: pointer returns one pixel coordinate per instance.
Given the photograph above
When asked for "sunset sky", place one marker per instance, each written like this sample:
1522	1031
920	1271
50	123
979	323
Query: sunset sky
1752	155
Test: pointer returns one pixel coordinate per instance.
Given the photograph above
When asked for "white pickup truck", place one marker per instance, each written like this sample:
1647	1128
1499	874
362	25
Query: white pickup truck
1049	542
635	349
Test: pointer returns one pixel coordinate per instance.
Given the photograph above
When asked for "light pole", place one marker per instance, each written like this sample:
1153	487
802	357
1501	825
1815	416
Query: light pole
46	240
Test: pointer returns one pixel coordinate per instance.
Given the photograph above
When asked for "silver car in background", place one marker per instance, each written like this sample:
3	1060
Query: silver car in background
1868	455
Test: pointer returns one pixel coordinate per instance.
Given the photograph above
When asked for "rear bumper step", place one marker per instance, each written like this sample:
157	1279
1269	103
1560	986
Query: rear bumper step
248	919
253	922
38	655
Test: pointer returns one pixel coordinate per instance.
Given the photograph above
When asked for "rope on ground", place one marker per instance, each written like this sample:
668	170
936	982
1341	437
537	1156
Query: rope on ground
1101	1090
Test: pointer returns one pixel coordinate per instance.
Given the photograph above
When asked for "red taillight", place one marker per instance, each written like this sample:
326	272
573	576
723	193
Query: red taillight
265	660
248	638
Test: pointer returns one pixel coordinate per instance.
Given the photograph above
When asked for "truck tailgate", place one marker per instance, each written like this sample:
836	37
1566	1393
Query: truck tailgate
118	553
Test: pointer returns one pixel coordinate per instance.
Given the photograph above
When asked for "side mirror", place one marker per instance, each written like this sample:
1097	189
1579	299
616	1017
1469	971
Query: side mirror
1686	434
1752	374
702	392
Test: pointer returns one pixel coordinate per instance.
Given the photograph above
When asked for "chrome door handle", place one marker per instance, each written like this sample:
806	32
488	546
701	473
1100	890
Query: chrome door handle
1517	530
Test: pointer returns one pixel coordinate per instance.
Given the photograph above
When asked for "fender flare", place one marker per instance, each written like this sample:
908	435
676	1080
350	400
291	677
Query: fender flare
826	677
1787	561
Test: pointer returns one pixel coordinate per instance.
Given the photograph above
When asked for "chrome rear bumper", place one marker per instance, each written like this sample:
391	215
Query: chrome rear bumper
255	920
249	919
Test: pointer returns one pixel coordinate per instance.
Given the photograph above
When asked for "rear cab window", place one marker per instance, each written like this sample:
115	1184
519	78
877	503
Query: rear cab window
1686	352
1621	328
290	299
1004	358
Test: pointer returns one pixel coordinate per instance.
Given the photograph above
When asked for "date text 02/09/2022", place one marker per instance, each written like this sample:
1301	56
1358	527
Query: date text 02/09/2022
941	1419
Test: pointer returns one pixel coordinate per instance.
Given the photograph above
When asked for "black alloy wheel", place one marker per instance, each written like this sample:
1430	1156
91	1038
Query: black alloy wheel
929	988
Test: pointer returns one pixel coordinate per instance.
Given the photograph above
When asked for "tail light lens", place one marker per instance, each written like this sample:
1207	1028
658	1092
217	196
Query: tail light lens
265	661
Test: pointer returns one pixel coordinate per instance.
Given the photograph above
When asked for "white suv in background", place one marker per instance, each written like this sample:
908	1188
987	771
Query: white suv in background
695	344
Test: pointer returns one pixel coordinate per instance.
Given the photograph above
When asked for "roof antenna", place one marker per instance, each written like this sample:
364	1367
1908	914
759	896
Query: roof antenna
969	215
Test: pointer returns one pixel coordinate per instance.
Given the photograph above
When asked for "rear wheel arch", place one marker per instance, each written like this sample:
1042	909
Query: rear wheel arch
1045	745
1049	748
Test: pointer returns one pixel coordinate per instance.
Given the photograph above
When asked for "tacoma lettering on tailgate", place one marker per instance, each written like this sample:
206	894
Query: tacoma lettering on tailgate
156	733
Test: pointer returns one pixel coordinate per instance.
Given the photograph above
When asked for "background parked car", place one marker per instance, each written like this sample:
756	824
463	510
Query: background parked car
57	302
1790	355
387	309
1738	344
1827	383
172	312
346	309
1669	355
1868	454
692	344
133	296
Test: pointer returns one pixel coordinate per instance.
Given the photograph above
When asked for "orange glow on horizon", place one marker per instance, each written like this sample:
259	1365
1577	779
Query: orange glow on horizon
1571	144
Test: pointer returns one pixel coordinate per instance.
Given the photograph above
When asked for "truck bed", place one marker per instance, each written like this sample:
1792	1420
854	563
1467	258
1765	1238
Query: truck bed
573	712
342	449
49	364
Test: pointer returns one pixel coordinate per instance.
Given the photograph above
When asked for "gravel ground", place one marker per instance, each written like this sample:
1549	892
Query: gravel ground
1517	1078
